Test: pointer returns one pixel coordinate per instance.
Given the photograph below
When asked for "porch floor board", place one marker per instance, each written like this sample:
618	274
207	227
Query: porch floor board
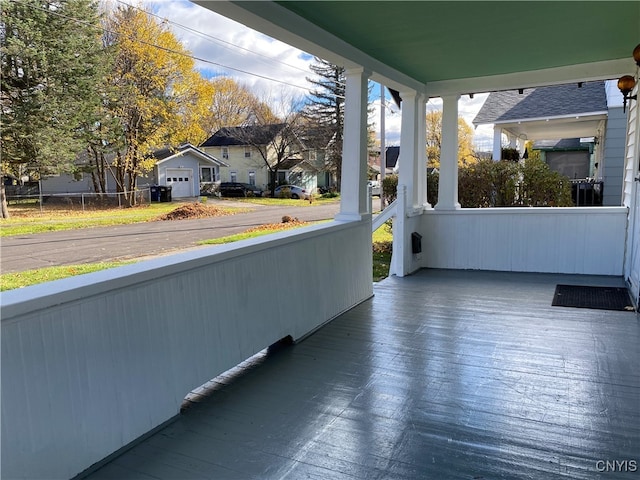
441	375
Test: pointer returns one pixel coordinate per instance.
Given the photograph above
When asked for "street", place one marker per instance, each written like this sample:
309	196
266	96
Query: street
123	242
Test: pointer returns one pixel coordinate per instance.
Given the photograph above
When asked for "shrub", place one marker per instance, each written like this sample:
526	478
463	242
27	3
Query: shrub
542	187
432	187
285	193
505	176
390	187
505	184
330	195
475	185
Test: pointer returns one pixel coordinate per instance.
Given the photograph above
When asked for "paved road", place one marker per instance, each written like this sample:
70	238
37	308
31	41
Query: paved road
89	245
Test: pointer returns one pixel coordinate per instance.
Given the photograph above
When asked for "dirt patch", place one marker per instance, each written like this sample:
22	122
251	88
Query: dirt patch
194	210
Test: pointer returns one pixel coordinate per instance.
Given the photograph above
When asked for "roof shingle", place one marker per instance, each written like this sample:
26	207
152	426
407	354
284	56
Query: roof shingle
551	101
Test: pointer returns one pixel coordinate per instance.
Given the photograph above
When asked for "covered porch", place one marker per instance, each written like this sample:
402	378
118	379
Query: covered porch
471	374
443	374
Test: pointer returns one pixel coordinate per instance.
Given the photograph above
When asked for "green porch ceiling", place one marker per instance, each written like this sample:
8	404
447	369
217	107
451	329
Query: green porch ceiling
435	41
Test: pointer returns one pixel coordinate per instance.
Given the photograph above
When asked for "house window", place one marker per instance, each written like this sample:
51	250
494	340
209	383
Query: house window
252	177
233	176
209	174
313	155
282	177
247	152
206	174
225	152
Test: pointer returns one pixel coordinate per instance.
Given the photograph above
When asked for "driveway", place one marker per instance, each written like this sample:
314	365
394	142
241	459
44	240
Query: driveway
98	244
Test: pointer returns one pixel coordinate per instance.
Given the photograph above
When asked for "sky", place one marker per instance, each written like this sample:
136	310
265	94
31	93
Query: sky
274	71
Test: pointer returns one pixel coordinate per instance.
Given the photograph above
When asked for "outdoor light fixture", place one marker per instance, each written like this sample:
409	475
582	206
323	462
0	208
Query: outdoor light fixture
626	84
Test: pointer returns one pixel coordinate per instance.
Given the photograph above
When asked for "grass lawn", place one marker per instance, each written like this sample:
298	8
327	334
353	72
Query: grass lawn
29	220
382	240
11	281
381	264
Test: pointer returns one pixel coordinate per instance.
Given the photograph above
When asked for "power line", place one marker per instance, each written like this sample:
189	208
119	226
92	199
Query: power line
143	42
208	36
226	43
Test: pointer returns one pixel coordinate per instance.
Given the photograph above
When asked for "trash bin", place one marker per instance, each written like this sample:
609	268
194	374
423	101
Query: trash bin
165	193
155	193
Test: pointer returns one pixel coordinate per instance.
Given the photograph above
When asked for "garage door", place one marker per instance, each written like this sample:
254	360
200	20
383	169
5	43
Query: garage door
181	182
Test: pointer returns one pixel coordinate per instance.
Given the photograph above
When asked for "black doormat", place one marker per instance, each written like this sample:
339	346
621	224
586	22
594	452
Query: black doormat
602	298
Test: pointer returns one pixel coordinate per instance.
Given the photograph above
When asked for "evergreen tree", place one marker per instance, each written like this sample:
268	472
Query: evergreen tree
325	111
51	61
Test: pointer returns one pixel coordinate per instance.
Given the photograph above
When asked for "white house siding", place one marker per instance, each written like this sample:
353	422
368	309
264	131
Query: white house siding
631	199
576	240
90	363
241	165
613	165
304	179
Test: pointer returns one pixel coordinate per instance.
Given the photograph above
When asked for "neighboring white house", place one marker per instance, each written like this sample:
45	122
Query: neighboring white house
243	149
579	127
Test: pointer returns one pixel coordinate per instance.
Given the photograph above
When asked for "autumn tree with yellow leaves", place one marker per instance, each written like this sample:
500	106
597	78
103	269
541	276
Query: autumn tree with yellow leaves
232	105
434	140
158	97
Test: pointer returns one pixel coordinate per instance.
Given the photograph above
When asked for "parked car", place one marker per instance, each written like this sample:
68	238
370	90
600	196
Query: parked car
237	189
294	192
375	187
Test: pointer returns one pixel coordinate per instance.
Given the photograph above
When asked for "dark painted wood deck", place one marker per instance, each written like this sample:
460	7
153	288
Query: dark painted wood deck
442	375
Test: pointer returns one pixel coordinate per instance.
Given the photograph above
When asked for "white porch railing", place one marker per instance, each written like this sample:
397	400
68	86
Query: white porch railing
91	363
383	216
583	240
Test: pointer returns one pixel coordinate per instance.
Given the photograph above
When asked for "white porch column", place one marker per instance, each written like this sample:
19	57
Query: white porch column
422	152
448	185
497	143
354	203
408	158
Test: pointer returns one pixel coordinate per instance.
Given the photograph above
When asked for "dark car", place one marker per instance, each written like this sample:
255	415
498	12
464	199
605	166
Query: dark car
237	189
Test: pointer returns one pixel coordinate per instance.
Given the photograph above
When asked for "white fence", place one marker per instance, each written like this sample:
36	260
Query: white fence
90	363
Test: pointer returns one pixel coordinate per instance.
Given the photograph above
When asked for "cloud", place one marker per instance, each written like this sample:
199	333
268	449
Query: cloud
251	58
239	52
467	108
224	47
